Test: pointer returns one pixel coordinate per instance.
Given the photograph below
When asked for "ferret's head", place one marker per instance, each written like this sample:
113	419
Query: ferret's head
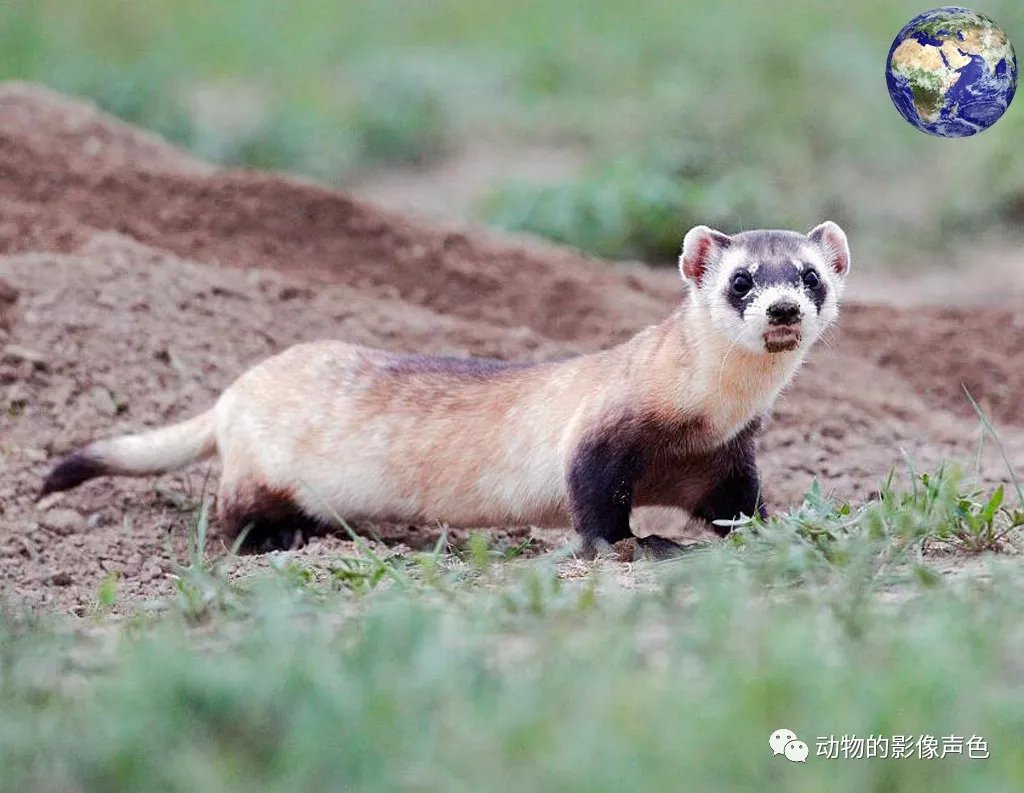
768	291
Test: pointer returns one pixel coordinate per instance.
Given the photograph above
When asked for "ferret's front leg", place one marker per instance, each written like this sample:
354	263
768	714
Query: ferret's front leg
737	492
601	481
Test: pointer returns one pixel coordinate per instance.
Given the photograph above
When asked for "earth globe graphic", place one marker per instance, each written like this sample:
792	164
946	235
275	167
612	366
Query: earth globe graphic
951	72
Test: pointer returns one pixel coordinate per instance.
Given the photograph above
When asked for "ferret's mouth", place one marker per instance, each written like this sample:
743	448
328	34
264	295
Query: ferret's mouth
781	338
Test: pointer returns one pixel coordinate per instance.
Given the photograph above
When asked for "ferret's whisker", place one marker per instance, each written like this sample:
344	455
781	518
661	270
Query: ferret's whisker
725	358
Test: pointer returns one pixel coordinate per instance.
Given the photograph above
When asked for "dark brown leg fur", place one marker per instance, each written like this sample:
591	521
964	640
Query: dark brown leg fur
269	519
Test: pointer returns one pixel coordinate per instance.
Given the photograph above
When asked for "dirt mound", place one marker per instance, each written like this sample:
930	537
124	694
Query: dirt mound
57	193
8	306
148	281
942	350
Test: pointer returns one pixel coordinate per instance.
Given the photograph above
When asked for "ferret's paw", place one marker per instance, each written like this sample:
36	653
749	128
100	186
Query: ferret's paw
656	548
592	548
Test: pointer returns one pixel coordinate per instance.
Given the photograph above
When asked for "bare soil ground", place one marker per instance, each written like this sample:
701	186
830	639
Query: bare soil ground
148	281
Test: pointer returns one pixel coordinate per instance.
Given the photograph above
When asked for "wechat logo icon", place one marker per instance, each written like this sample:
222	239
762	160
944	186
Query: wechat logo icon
786	743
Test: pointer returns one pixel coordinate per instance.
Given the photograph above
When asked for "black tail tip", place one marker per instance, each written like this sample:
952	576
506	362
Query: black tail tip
70	472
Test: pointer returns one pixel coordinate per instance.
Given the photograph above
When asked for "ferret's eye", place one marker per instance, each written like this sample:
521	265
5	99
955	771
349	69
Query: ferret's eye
741	283
811	279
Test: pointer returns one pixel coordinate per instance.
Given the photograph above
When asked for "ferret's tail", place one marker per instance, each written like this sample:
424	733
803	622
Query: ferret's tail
153	452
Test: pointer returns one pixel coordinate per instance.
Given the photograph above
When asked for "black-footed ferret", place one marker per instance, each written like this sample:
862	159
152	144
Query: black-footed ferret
667	418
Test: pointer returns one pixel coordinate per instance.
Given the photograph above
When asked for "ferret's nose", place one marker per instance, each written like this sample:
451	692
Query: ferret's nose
785	312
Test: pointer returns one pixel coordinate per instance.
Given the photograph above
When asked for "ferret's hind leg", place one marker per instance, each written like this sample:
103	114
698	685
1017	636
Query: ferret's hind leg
268	516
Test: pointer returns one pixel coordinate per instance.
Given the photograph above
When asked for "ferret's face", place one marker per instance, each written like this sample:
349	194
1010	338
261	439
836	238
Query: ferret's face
768	291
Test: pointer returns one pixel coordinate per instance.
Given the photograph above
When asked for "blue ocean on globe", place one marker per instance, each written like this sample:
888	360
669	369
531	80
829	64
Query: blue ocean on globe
951	72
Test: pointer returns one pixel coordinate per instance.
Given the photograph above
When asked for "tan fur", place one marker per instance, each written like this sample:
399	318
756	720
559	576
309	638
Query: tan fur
159	450
327	423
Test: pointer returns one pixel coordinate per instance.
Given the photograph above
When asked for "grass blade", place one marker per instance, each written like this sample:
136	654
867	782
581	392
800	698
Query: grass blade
999	445
363	546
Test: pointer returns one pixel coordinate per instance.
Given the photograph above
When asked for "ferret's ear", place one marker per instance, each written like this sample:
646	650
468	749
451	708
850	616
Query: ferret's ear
702	247
832	241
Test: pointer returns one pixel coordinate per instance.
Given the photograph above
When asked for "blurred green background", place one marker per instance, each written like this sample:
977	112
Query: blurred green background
606	124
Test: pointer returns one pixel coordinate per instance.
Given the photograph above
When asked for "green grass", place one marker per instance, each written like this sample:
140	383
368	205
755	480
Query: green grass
742	114
476	673
639	208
